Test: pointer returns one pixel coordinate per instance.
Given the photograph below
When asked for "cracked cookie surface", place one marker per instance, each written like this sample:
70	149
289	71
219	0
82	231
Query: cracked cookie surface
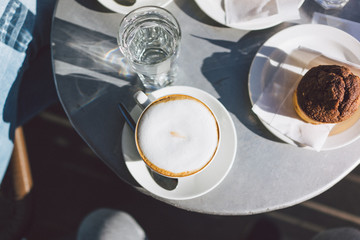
329	93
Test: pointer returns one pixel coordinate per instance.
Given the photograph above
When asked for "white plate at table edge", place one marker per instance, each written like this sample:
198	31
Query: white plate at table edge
296	36
198	184
117	7
215	11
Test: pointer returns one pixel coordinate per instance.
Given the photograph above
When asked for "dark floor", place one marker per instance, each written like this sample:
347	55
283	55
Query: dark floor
70	182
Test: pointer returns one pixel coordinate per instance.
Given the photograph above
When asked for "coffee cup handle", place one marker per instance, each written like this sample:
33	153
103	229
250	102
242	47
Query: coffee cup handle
142	99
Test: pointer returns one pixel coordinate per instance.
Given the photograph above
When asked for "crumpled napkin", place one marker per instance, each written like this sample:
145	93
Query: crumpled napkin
277	109
275	105
267	10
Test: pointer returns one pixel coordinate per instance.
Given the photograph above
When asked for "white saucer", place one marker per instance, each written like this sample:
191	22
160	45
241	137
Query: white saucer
201	183
215	10
116	7
322	38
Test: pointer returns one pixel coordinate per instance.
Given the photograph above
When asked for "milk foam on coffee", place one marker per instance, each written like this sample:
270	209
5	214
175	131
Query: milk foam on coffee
178	135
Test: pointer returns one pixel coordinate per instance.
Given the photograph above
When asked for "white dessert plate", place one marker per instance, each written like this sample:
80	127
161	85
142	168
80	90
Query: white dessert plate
123	9
322	38
215	10
198	184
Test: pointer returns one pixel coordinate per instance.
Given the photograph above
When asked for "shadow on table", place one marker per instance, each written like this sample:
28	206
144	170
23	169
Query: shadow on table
193	10
310	7
228	72
93	5
88	101
92	77
93	50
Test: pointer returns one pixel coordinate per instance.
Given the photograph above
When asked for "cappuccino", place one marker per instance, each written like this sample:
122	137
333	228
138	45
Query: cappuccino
177	135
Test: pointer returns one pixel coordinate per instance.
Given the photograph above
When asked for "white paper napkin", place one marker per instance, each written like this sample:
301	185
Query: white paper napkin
275	106
267	10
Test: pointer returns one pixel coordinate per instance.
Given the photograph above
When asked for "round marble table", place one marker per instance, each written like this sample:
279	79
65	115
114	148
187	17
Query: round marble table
92	77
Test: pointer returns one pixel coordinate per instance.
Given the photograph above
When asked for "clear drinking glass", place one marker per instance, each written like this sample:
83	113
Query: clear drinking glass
332	4
149	38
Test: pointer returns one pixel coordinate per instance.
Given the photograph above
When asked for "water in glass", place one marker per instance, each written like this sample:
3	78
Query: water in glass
151	44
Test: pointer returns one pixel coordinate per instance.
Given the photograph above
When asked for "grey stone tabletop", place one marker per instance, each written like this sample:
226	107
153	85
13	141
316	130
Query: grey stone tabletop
92	77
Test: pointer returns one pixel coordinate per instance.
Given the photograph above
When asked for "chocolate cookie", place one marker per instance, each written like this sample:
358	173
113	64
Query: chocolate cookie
329	93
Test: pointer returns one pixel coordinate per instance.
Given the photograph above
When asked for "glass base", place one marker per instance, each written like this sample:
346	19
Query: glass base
154	82
332	4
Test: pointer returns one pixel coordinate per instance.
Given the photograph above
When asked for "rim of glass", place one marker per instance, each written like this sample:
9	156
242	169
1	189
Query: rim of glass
141	9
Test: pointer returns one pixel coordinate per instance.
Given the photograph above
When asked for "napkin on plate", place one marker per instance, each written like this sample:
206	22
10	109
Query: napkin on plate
246	10
277	110
275	105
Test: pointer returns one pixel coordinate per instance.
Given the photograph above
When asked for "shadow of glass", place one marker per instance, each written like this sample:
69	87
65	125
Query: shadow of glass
228	73
89	49
92	78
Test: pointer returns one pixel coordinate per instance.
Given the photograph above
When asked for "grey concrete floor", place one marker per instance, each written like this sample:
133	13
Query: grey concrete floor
70	182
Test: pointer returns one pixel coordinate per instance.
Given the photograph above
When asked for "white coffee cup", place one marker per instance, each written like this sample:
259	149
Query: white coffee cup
176	135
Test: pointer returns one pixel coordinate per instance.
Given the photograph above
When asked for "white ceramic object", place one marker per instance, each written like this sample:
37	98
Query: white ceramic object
206	180
323	38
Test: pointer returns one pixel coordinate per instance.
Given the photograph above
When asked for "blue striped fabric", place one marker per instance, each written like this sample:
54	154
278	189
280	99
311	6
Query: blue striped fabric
12	21
16	24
